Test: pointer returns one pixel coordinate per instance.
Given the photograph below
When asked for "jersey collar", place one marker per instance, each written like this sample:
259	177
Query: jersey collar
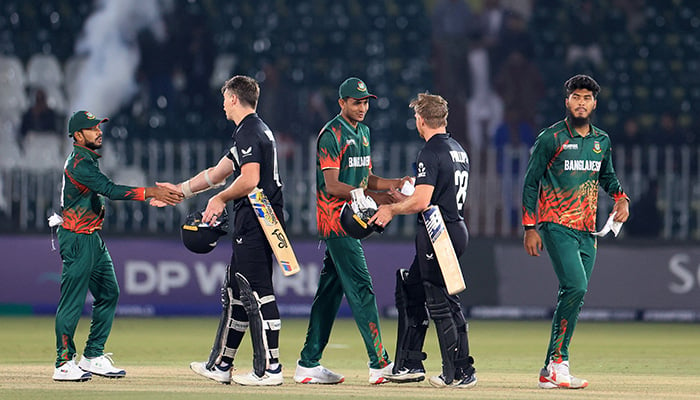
89	152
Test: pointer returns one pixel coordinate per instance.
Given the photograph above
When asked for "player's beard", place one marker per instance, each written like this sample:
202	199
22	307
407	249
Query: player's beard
93	145
578	122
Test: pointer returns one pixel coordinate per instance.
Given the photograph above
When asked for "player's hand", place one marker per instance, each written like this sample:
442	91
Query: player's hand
170	186
622	207
215	207
532	242
396	195
405	179
382	217
163	196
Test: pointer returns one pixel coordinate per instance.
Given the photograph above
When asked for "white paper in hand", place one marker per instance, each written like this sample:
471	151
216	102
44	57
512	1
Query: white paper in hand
610	225
55	220
407	189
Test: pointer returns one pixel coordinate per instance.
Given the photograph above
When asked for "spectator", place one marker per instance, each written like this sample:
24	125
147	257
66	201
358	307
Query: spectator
584	30
39	117
453	25
520	85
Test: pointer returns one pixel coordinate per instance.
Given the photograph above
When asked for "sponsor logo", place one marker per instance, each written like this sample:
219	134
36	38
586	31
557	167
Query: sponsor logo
350	142
581	165
421	170
247	152
239	240
429	256
286	265
570	146
596	147
282	241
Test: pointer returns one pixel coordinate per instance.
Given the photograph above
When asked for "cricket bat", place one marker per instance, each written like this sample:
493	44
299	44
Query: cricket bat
274	232
444	252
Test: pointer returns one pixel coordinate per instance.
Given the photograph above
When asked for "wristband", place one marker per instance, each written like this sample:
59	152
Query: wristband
186	190
529	227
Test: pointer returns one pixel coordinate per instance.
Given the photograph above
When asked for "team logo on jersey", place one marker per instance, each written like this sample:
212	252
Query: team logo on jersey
365	142
596	147
421	170
247	152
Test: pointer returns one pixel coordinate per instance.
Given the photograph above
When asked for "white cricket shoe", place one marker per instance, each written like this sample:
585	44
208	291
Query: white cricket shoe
378	375
102	366
317	374
69	372
269	378
557	375
214	373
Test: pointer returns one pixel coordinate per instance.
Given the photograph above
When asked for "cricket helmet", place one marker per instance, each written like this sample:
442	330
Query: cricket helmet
354	221
200	237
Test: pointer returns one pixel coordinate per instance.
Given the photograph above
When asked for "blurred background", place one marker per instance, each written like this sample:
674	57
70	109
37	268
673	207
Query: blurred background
155	68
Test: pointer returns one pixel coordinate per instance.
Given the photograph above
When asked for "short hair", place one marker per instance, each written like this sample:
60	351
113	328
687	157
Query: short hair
432	108
581	82
245	88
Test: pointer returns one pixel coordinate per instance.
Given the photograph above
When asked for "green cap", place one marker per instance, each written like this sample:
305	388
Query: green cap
82	120
355	88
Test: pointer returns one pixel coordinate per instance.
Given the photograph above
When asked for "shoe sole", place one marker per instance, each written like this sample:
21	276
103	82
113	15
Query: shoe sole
310	381
406	379
73	380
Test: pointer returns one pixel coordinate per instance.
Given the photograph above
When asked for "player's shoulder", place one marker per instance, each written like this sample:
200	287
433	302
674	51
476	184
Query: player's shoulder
599	132
554	129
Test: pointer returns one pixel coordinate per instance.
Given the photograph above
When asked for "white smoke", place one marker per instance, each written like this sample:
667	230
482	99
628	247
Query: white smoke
109	46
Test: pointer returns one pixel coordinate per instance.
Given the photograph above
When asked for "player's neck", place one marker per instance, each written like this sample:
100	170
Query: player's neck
429	133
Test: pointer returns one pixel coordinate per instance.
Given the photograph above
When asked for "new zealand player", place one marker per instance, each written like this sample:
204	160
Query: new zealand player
569	161
252	160
343	164
442	178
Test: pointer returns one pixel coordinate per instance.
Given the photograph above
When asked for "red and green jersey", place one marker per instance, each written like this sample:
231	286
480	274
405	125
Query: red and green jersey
84	185
563	174
342	147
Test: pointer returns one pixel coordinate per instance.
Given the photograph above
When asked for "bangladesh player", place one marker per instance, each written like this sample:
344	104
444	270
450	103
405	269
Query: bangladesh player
343	164
570	159
87	264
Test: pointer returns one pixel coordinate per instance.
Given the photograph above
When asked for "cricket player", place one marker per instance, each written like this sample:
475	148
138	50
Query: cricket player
343	164
570	159
252	160
442	180
87	264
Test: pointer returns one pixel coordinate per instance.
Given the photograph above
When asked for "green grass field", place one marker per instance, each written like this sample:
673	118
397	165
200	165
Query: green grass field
621	361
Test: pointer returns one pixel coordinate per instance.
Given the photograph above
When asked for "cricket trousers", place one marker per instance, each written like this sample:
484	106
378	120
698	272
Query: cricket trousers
344	272
573	255
87	265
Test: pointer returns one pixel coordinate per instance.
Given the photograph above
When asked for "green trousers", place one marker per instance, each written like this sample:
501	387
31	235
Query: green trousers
344	272
573	254
86	265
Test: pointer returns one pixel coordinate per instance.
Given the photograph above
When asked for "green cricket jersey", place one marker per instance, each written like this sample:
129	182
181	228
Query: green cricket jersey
563	174
84	185
347	149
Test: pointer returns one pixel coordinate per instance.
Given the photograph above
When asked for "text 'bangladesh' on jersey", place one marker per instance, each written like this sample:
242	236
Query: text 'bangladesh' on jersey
563	175
84	185
341	147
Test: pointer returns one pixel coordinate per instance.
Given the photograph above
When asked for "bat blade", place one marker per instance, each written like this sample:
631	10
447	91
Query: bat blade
444	252
274	232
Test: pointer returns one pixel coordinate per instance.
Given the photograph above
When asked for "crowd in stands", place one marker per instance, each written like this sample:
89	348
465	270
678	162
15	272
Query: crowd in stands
500	64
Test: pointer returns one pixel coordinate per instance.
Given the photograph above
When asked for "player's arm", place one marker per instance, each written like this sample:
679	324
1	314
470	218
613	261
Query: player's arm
419	201
88	175
537	165
610	183
239	188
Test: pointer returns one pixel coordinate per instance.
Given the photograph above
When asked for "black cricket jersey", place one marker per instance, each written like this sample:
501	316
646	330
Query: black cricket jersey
444	164
253	142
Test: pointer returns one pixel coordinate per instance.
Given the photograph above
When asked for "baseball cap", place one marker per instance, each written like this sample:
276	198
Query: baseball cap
355	88
82	120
